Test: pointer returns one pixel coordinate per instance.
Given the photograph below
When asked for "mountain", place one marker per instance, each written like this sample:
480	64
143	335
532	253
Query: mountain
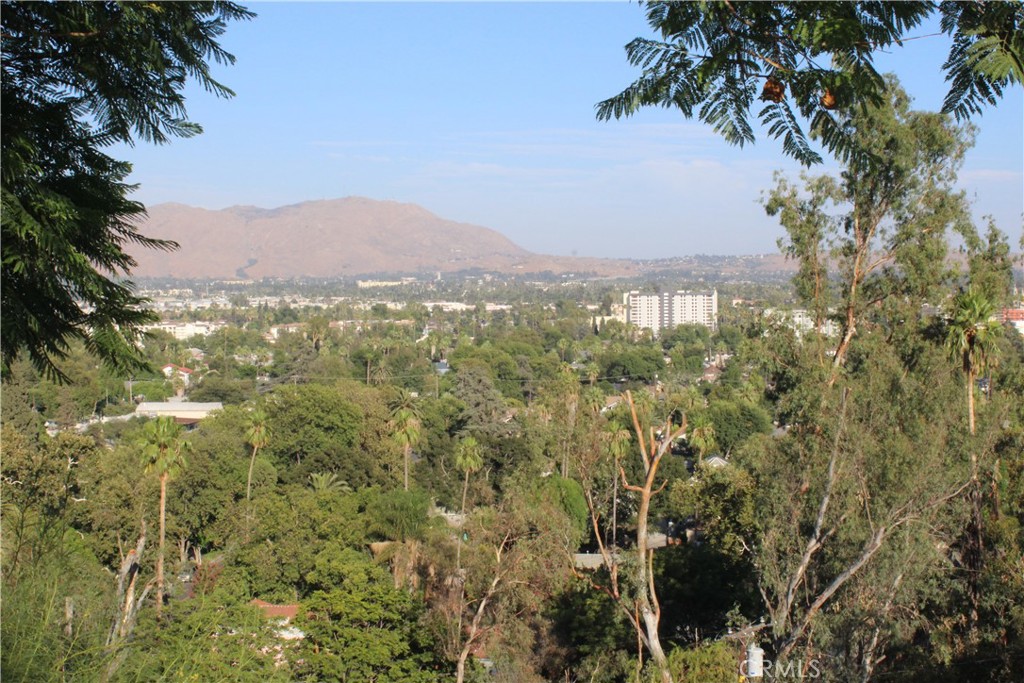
332	238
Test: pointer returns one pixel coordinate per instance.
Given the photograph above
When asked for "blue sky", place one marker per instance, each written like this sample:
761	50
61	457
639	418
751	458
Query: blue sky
484	113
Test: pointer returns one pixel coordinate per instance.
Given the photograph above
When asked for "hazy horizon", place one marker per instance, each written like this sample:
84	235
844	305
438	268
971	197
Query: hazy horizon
483	113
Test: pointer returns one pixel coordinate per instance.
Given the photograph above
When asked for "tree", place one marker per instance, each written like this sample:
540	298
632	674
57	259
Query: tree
484	405
358	627
406	422
808	61
325	482
468	458
77	77
514	560
163	452
972	327
970	334
852	541
618	440
258	436
637	599
317	429
895	207
702	435
215	635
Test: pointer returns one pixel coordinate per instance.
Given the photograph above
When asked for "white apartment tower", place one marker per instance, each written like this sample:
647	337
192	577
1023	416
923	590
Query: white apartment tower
668	309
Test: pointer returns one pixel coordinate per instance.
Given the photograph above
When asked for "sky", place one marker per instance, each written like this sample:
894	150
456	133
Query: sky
483	113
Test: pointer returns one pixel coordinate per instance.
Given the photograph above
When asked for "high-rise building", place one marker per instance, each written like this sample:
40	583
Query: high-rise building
668	309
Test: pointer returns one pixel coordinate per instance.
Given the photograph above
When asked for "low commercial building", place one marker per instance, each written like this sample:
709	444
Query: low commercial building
183	412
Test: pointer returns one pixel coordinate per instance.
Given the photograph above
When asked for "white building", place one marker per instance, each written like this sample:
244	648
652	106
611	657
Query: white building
186	330
182	411
801	321
669	309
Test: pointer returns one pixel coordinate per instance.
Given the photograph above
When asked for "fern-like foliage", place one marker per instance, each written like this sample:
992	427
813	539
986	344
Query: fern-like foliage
76	78
810	62
987	55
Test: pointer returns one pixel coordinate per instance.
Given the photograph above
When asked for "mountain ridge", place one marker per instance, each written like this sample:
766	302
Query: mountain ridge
347	236
358	237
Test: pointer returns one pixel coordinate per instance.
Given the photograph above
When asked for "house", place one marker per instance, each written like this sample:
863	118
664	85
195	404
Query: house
172	371
276	331
282	615
1013	316
611	402
711	374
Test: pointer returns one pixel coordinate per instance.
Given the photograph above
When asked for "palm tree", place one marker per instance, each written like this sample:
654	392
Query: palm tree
702	436
563	347
468	458
378	373
258	436
322	482
619	440
971	330
406	422
317	330
162	451
970	334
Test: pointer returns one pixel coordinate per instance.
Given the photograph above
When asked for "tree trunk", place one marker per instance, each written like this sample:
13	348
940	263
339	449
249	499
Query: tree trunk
474	626
650	610
653	642
460	666
407	452
462	524
970	417
975	545
252	462
615	507
160	549
127	606
862	238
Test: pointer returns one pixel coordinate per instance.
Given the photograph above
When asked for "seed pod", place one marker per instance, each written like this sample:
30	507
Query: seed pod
774	90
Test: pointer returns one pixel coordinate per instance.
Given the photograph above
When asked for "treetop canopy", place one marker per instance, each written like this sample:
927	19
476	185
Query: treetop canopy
808	63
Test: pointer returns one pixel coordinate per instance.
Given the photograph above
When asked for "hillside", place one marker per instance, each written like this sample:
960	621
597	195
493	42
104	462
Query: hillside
334	238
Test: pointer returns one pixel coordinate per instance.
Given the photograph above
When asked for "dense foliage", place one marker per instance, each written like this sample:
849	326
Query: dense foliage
528	493
77	78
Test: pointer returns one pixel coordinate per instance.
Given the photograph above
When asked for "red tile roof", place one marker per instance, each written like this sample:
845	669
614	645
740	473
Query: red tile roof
272	611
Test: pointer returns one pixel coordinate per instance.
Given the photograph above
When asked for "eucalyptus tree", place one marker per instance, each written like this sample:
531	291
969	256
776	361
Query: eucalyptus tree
630	584
852	542
885	218
163	448
513	563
